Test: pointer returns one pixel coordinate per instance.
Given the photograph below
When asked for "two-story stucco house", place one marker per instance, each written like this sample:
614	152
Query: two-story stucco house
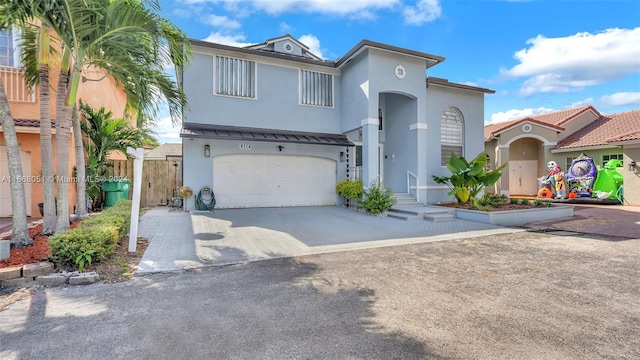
274	125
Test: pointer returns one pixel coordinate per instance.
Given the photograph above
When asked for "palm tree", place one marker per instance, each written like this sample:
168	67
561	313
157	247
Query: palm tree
104	134
123	38
20	235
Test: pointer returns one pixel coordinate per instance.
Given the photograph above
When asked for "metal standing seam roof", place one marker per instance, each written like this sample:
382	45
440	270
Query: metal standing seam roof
191	130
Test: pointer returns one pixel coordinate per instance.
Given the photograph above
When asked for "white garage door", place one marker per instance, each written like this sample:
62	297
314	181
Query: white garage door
273	180
5	185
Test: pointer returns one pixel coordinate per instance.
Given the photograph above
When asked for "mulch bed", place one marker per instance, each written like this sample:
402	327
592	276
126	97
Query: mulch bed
34	253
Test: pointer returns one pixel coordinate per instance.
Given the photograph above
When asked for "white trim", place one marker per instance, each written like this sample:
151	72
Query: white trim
333	90
400	71
522	136
527	122
418	126
527	128
585	148
215	79
370	121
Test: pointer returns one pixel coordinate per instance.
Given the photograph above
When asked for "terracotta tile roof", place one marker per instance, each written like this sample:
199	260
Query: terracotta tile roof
492	129
554	119
161	152
615	127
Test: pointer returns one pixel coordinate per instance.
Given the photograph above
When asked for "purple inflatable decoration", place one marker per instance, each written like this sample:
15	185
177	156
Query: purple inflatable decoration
581	175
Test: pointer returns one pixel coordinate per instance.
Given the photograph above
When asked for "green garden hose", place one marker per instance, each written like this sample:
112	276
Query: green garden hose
205	200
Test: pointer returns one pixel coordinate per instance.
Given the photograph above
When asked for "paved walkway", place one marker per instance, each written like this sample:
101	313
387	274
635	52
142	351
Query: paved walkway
180	240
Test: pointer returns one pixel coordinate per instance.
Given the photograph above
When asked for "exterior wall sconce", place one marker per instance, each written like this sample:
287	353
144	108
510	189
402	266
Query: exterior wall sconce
280	147
379	119
342	157
632	166
207	150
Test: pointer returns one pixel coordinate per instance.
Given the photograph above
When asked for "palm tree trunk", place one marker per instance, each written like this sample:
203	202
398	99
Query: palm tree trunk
46	152
63	127
20	235
81	185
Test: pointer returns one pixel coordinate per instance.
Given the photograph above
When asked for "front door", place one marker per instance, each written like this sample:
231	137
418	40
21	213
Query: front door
523	177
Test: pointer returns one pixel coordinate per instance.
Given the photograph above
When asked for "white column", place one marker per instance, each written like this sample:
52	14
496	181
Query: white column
138	157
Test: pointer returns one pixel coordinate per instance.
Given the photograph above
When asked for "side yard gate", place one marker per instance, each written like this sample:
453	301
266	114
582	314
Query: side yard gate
159	179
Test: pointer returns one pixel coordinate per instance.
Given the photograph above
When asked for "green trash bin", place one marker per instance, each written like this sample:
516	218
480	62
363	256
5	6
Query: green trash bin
115	190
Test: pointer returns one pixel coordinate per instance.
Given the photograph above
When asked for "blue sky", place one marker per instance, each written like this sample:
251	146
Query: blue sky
538	56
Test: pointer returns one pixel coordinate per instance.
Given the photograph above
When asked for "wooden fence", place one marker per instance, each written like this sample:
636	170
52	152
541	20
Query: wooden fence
159	179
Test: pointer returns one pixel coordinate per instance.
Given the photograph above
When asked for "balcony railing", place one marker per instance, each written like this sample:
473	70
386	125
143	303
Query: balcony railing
15	86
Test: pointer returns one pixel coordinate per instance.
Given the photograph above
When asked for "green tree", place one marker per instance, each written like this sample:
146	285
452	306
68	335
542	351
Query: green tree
20	235
124	39
104	134
468	178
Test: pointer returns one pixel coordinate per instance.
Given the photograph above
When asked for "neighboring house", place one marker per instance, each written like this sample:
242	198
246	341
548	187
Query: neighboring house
24	103
274	125
527	145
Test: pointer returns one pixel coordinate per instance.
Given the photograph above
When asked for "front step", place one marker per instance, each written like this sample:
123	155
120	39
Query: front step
429	213
404	199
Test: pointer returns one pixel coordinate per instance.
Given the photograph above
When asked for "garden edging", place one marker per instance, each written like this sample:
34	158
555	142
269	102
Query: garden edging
515	217
42	274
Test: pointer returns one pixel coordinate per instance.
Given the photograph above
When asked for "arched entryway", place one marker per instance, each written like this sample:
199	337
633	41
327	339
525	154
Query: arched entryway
525	166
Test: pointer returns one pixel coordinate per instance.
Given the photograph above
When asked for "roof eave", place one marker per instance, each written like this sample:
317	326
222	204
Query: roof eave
432	60
582	148
211	45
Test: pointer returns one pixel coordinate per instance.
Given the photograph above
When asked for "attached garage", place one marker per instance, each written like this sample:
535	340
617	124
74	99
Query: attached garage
269	180
5	185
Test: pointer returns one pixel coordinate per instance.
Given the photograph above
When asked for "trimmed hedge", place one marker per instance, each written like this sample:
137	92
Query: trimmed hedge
94	240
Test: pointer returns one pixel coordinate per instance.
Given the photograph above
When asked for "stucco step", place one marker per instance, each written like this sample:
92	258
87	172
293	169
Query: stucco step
438	217
404	215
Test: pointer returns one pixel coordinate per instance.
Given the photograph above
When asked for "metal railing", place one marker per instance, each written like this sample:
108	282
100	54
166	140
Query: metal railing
14	85
409	187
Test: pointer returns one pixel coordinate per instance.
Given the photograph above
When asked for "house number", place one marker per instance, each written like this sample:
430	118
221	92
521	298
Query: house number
245	146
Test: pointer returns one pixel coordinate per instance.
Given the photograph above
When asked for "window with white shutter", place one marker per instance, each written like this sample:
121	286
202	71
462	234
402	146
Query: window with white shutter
235	77
316	88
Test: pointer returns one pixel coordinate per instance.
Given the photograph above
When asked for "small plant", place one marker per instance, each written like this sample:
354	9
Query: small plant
513	201
185	193
350	189
524	201
494	201
378	199
468	178
84	257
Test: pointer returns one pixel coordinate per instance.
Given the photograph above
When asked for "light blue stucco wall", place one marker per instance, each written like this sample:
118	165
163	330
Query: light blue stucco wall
400	144
198	169
471	105
355	93
276	106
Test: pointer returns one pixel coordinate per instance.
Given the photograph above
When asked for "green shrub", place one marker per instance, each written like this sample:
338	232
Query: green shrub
94	240
538	203
513	201
494	201
75	247
350	189
524	201
378	199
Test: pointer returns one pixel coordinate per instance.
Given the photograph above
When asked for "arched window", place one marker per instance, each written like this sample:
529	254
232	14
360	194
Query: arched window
451	134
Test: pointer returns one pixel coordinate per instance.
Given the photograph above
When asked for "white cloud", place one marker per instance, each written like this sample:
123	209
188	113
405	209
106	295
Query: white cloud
237	40
334	7
425	11
220	21
313	43
587	101
517	114
573	62
621	99
284	27
166	131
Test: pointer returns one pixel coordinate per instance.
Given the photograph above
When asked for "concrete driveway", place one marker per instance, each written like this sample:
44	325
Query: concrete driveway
180	240
510	296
